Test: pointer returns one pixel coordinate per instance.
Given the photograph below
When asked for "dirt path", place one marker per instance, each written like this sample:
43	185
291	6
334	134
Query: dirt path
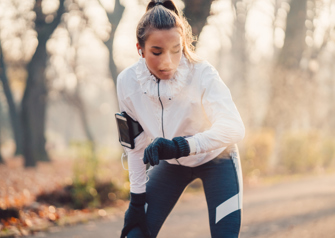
302	208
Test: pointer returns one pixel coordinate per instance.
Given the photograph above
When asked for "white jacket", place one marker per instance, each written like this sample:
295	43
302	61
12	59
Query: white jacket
195	103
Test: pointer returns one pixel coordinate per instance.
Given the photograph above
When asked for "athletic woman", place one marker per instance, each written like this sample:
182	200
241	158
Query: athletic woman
190	128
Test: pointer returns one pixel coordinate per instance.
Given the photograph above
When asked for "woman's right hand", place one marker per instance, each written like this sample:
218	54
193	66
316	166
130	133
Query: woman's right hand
135	216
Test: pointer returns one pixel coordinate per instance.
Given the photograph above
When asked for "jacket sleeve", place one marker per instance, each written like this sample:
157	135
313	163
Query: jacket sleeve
227	126
136	167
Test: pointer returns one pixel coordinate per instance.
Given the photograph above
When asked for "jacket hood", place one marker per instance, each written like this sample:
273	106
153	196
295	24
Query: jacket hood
168	88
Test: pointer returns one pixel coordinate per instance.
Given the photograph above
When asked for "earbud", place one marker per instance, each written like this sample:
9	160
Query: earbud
140	52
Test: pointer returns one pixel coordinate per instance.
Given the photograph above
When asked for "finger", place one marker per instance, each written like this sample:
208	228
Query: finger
155	155
145	161
149	156
145	157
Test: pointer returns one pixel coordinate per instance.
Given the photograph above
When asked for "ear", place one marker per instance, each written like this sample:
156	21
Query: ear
139	49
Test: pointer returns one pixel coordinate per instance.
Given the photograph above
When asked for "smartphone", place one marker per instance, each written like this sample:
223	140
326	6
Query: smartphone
125	135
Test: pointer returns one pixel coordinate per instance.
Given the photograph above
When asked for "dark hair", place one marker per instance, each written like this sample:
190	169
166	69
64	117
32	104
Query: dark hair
164	15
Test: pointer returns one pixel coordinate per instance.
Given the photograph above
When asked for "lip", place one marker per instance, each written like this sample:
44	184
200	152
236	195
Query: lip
166	72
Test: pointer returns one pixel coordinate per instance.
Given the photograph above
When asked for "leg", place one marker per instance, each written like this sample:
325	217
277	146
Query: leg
223	194
166	184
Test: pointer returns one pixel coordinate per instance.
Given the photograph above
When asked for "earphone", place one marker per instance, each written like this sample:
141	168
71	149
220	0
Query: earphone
140	52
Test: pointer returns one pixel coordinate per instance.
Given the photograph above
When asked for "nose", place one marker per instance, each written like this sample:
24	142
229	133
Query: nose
167	60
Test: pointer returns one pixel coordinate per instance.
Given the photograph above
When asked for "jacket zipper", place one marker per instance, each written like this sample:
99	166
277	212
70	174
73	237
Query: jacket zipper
159	97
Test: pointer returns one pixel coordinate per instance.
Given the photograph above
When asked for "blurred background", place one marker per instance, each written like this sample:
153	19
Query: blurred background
59	60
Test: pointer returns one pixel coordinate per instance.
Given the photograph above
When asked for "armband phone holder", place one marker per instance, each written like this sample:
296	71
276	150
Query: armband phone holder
128	129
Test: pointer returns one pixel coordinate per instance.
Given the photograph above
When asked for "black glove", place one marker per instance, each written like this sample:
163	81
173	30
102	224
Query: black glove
162	149
135	215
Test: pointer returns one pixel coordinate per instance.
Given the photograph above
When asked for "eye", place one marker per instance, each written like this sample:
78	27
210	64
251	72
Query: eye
176	51
156	53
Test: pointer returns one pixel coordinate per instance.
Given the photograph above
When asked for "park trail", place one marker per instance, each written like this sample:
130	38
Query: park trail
303	207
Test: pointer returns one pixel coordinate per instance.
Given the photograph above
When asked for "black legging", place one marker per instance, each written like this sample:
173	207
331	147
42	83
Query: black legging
222	183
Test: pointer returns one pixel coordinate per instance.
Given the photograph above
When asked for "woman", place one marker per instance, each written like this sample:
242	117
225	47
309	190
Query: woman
190	125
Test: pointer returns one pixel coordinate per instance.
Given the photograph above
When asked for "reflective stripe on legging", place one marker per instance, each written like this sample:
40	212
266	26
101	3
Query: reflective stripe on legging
235	202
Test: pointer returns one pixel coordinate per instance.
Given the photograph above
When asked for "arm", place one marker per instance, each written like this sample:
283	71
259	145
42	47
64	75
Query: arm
137	169
135	214
227	126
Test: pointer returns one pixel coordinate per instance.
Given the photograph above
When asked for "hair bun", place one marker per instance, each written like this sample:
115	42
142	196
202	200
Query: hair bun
167	4
159	3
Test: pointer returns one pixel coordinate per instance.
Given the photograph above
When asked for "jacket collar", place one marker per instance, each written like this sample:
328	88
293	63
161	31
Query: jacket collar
168	88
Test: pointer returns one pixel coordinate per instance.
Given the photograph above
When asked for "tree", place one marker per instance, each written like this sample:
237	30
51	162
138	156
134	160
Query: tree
287	75
75	98
239	62
15	120
114	18
287	81
35	95
318	88
1	159
197	12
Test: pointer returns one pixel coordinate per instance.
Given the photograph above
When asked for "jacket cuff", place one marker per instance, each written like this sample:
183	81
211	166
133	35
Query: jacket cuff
137	199
193	146
184	148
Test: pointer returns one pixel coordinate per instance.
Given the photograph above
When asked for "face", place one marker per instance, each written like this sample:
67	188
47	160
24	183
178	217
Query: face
162	52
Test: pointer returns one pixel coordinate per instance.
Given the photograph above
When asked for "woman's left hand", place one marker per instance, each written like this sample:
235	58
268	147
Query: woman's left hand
163	149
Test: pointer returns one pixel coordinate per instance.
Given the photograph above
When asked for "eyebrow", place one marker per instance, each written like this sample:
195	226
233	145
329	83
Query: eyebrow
159	48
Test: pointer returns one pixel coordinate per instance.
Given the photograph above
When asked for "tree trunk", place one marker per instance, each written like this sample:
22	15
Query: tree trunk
197	12
239	62
83	117
287	81
331	96
295	34
1	160
35	95
112	67
287	77
114	18
34	106
75	98
78	104
15	121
